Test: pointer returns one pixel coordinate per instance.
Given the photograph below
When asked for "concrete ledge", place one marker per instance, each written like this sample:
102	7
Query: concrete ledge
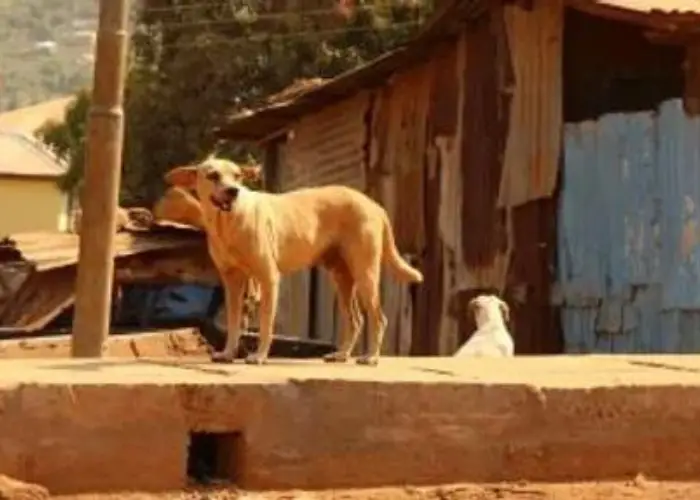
79	426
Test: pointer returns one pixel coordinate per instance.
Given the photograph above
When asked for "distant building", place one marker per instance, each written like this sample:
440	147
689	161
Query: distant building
26	120
30	199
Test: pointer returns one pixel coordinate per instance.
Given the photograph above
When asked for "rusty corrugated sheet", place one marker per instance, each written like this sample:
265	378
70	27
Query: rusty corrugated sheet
532	152
535	321
629	244
445	26
405	111
678	159
37	270
48	250
484	231
327	148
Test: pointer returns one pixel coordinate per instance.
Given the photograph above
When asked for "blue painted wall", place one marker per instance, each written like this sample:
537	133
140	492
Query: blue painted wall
629	233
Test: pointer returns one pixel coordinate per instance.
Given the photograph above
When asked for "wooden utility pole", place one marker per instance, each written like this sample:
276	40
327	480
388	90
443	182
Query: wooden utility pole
100	192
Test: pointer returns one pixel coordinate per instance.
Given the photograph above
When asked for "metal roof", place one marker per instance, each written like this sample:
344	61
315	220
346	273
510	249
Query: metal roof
448	22
51	250
23	156
26	120
254	125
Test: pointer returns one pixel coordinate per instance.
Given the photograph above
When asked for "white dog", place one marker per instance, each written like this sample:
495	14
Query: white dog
491	338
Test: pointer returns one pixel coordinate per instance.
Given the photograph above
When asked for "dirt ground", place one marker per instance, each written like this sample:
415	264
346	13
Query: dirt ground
639	488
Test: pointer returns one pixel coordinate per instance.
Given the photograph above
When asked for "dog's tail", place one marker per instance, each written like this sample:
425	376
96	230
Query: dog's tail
401	269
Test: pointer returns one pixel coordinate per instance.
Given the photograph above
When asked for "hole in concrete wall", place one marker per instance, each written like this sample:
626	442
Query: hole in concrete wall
214	457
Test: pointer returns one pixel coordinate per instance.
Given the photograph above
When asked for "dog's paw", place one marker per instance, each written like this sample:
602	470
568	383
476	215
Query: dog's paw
336	357
368	360
255	359
222	357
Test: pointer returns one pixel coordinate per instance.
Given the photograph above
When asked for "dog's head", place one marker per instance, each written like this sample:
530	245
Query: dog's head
485	307
215	180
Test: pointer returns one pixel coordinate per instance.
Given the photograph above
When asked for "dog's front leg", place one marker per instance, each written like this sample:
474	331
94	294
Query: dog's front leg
234	282
269	291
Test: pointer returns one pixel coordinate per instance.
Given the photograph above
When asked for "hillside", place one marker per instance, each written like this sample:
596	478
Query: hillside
45	49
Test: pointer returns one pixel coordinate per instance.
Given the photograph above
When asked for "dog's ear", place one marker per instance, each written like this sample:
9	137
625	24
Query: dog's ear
184	177
471	307
505	310
251	173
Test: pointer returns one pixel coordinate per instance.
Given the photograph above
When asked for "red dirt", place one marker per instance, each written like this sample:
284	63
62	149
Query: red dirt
633	490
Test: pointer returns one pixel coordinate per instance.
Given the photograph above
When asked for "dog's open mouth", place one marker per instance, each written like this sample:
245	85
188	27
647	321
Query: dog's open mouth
223	203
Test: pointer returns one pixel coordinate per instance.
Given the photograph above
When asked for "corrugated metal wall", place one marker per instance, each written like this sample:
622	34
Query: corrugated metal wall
325	148
629	233
533	147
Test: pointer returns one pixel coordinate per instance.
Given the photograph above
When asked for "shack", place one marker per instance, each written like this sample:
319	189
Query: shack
545	149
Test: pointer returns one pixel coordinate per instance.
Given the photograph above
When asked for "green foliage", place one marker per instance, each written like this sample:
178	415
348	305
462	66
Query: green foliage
193	66
67	139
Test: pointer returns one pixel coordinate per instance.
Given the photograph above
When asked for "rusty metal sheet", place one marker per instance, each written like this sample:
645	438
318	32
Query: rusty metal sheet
47	250
629	233
484	231
532	151
443	27
40	299
405	111
535	320
678	159
445	89
327	147
609	218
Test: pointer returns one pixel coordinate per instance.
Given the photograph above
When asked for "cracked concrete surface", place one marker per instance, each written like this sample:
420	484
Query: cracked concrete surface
115	424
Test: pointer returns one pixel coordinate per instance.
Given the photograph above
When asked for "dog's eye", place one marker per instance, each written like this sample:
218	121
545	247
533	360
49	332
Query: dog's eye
213	176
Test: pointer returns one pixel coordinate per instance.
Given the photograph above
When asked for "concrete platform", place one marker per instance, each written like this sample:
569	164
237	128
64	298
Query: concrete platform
79	426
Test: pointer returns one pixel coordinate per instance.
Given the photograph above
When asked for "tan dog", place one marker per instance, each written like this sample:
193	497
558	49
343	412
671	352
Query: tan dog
265	235
491	338
181	206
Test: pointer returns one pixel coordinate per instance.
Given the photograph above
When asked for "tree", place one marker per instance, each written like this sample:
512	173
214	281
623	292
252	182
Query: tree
67	139
192	65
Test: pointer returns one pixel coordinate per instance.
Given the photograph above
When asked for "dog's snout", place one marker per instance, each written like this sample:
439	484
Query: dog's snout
231	191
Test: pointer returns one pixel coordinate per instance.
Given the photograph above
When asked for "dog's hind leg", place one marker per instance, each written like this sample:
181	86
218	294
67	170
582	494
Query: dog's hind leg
368	291
350	313
234	282
269	292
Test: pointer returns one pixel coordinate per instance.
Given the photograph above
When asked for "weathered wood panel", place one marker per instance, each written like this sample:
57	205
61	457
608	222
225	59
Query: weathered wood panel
533	146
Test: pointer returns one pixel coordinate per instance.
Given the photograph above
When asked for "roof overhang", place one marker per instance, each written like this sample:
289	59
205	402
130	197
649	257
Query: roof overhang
676	16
